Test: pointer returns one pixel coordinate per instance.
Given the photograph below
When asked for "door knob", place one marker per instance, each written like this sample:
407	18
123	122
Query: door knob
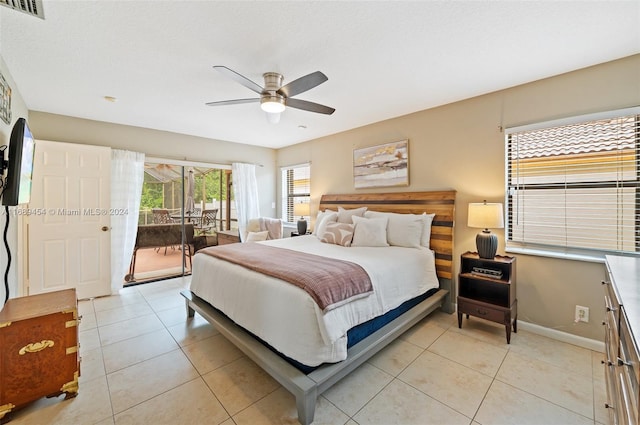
105	228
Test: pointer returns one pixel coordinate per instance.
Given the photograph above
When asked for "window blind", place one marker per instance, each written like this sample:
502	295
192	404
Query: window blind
575	184
296	187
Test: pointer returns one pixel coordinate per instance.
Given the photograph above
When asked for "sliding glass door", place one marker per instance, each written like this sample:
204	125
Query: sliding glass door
181	210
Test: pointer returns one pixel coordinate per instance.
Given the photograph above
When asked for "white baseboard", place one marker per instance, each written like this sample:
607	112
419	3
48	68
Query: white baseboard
580	341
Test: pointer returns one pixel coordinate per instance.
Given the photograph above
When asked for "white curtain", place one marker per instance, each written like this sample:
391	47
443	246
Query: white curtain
245	192
127	176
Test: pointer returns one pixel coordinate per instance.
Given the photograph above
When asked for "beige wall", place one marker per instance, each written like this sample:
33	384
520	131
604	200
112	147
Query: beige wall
162	144
461	146
18	110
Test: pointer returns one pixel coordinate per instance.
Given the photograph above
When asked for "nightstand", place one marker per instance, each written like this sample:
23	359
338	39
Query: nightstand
298	234
487	289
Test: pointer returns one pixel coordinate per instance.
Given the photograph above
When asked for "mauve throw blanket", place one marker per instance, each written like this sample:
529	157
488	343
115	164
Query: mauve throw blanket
329	281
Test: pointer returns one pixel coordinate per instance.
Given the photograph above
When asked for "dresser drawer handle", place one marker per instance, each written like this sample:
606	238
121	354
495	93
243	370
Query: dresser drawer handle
34	347
481	312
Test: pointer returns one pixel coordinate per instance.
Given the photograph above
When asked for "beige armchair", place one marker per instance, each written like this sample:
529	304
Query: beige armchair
274	227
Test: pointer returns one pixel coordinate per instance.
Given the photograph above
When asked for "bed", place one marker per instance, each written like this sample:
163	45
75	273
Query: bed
327	349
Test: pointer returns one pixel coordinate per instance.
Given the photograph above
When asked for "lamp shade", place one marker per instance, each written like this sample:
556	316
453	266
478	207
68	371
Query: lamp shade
301	209
486	215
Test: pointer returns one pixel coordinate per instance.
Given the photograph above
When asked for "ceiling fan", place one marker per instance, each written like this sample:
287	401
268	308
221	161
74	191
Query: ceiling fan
274	97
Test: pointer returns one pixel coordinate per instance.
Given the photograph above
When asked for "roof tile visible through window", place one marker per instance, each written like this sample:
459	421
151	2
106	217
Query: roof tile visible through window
593	136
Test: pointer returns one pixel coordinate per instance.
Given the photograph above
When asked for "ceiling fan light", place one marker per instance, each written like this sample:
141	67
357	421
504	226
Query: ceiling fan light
273	118
272	104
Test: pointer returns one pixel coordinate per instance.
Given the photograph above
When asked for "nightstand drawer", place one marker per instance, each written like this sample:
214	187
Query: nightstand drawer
483	310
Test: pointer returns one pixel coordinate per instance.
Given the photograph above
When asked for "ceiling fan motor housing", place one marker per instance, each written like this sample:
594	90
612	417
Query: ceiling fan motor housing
272	81
270	100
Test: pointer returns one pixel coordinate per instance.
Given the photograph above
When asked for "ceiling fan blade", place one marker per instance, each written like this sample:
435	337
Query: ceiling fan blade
239	78
303	84
308	106
233	102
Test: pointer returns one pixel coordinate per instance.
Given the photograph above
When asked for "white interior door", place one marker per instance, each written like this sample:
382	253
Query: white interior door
69	237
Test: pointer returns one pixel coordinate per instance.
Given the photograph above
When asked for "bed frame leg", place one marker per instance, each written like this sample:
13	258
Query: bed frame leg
447	304
306	404
190	312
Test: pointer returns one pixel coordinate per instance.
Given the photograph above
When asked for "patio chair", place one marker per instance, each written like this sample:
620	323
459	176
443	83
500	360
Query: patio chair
161	216
207	221
193	216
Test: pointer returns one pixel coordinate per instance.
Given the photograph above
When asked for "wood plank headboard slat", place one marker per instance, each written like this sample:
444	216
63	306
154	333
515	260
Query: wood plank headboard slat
441	202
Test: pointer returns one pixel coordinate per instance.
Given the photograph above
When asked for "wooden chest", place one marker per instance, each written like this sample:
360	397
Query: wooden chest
38	348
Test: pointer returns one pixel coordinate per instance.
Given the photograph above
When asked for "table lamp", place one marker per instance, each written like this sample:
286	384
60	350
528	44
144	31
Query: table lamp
302	210
484	216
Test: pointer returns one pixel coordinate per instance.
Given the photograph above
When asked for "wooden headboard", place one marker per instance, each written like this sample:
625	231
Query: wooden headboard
442	203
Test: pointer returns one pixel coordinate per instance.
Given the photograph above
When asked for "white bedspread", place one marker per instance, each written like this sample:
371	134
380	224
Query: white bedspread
288	319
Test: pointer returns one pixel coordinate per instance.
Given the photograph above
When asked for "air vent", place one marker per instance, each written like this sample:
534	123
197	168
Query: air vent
32	7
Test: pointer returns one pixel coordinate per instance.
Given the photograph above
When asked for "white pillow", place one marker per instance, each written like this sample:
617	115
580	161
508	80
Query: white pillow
319	218
405	231
257	236
427	219
402	229
322	219
369	231
344	216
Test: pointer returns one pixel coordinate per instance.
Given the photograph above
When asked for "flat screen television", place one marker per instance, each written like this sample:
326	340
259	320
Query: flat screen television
19	165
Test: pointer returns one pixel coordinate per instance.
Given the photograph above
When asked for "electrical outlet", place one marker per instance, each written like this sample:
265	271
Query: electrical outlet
582	314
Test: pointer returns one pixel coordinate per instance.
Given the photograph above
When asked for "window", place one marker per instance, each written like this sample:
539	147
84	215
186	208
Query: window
296	188
574	185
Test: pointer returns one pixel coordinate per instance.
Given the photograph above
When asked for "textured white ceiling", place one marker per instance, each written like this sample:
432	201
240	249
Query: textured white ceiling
383	59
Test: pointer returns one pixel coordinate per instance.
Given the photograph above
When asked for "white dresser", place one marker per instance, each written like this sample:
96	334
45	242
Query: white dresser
622	321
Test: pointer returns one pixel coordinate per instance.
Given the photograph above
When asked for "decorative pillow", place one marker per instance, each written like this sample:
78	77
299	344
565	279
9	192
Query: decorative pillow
344	216
370	231
257	236
338	234
402	229
322	219
427	219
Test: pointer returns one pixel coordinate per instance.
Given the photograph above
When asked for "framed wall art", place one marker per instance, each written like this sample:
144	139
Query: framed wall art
5	100
381	165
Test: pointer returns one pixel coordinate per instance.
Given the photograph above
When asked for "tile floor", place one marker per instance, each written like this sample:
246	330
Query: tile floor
143	362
